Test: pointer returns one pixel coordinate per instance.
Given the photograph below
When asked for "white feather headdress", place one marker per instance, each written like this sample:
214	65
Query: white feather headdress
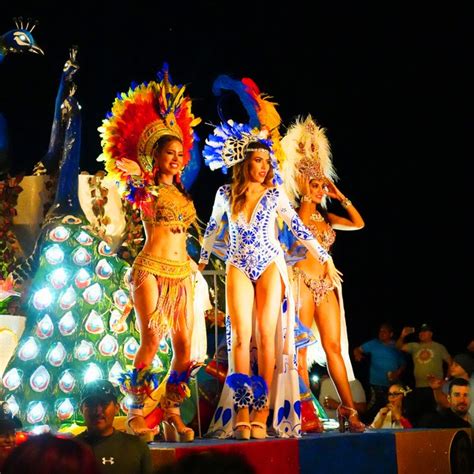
307	151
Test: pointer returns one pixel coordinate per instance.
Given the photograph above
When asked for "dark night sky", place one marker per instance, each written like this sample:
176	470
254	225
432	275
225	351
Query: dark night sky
390	85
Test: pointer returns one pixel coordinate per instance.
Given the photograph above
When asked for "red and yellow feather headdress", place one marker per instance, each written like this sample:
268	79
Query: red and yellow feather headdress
138	119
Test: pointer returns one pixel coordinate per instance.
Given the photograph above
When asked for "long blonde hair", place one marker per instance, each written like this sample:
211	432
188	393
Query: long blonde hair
241	178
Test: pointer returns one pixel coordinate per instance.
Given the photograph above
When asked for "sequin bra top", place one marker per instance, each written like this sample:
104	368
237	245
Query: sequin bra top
326	237
171	208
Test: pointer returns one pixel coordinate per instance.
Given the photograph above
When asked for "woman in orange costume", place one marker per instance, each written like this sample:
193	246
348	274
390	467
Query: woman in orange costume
147	141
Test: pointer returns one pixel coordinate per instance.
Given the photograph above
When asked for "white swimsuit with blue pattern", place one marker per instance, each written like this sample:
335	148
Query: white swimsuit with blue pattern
252	247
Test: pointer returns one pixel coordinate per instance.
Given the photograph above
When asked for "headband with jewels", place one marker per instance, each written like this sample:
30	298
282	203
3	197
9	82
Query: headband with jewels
138	119
307	152
228	144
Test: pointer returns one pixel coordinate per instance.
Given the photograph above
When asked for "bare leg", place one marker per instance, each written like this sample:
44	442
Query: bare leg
181	336
269	294
327	318
145	298
240	299
181	341
306	313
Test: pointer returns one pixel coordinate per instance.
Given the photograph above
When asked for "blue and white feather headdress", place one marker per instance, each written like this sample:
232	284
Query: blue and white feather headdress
227	146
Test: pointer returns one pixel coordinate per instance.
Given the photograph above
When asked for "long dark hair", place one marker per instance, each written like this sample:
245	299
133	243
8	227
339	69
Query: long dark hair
241	177
157	149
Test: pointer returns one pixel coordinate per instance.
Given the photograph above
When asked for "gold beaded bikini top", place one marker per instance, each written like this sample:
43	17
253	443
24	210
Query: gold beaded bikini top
172	208
325	237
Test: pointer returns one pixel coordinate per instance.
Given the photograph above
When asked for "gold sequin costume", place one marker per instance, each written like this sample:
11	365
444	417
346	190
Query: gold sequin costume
319	287
173	209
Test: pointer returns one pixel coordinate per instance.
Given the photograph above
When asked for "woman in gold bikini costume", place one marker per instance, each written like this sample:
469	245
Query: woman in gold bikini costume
309	177
147	141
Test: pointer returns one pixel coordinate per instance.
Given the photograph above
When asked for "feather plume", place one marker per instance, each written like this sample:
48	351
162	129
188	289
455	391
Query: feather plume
260	109
307	151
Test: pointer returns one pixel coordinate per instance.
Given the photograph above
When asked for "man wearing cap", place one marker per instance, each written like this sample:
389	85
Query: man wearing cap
428	357
7	439
116	452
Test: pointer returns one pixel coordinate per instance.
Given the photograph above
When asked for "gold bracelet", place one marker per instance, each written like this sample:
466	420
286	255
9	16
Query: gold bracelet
345	203
306	198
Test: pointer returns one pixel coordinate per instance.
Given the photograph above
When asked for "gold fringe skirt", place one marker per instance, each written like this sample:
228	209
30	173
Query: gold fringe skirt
172	287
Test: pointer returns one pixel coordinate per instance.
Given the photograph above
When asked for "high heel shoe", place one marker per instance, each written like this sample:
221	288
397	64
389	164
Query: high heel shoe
243	433
138	384
258	430
349	415
174	430
259	427
137	426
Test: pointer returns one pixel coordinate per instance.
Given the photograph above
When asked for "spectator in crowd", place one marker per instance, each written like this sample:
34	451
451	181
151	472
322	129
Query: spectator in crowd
461	367
207	462
115	451
6	413
457	414
470	346
394	414
386	366
7	439
48	454
428	358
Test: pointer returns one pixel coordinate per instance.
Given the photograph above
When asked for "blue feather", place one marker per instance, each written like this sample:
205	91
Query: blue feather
238	380
259	386
224	82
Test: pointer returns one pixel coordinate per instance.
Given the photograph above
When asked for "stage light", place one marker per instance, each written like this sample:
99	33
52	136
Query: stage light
36	414
94	323
103	269
56	355
67	382
108	346
115	373
64	409
54	255
130	348
42	299
68	299
45	327
58	278
93	294
84	351
40	379
29	350
92	373
67	324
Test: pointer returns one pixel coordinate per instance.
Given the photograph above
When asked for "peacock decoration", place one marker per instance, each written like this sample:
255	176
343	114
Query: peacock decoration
80	323
18	40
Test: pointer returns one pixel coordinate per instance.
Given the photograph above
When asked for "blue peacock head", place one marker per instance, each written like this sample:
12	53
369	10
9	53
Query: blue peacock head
20	39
